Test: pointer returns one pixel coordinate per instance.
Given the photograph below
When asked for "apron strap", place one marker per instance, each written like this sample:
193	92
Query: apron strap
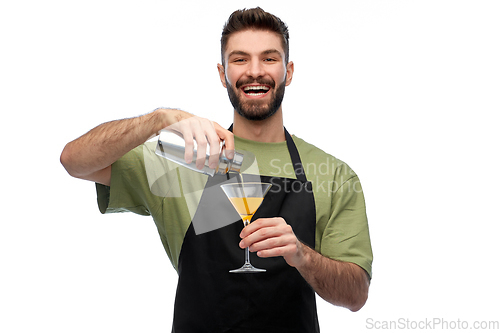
294	155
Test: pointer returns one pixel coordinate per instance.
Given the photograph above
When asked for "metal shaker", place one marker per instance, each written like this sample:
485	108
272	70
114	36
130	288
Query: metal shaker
171	145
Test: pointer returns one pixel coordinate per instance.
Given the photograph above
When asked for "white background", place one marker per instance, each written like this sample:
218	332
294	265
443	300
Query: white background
404	91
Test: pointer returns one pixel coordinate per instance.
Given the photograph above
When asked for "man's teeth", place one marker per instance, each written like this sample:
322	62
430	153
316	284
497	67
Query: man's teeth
256	90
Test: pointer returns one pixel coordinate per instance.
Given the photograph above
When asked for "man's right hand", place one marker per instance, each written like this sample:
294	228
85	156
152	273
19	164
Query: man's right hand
204	132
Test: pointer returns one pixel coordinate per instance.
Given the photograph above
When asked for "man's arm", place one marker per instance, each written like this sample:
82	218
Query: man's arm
340	283
90	156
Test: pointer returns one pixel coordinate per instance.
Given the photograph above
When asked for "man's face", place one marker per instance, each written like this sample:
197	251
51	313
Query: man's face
255	74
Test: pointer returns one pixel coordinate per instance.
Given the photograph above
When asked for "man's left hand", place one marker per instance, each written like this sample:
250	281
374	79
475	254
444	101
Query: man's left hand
272	237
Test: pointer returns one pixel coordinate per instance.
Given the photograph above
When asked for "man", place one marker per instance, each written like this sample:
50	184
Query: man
309	236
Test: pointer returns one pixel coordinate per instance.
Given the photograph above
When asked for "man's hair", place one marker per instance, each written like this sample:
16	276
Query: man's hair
254	18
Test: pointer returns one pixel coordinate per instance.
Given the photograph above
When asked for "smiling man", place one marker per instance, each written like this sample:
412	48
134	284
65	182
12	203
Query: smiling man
259	89
309	237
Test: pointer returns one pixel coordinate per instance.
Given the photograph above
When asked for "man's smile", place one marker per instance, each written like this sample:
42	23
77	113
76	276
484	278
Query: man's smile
256	90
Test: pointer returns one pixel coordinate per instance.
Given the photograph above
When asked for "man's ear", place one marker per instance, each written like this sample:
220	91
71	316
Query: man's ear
222	74
289	72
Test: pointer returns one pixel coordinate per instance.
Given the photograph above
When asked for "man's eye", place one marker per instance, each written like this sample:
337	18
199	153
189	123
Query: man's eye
269	60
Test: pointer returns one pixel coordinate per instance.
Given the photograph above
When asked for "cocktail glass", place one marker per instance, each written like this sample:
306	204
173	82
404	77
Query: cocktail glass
246	199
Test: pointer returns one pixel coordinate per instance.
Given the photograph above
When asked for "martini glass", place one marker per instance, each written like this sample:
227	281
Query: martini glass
246	199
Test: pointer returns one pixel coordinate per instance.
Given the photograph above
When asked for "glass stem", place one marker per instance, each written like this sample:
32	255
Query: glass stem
247	256
247	249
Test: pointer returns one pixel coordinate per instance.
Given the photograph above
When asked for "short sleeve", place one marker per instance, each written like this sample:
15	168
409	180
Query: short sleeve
129	190
346	236
103	193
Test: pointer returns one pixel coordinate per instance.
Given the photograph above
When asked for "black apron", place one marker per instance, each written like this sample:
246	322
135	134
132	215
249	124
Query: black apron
210	299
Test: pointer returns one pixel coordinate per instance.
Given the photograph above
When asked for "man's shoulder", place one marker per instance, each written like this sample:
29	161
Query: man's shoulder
306	148
316	160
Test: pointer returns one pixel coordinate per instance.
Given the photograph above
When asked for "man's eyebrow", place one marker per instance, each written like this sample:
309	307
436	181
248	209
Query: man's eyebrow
237	53
243	53
271	51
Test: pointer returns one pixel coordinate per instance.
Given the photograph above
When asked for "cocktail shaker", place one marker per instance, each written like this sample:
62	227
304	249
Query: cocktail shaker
171	145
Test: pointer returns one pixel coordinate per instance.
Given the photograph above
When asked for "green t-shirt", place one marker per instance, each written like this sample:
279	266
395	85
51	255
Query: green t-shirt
146	184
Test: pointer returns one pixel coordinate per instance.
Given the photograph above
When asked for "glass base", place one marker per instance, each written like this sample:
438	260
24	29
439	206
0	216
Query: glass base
247	268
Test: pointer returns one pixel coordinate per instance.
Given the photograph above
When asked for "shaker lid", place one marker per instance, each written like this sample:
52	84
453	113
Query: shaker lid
226	164
237	161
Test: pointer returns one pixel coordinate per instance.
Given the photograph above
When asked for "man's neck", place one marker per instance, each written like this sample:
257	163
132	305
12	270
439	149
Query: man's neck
267	130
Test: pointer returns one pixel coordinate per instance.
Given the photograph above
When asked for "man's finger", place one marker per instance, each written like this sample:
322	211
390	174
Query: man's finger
227	137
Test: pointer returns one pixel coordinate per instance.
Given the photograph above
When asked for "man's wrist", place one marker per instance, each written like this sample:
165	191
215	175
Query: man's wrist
162	117
165	117
304	256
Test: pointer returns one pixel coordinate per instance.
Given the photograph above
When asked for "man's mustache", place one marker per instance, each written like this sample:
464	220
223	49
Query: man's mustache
243	82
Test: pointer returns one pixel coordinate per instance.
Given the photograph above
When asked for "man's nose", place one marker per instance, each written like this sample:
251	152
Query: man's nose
255	69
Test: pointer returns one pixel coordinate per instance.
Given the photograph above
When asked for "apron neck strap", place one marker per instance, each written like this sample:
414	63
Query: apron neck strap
294	155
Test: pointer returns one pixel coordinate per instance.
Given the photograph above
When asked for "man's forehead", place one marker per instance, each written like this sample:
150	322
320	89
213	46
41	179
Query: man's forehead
254	42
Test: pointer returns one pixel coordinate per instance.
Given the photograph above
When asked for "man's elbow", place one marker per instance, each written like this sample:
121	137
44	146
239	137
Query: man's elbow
362	293
359	302
68	162
65	160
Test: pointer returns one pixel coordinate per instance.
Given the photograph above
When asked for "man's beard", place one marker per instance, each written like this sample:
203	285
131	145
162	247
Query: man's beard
255	109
